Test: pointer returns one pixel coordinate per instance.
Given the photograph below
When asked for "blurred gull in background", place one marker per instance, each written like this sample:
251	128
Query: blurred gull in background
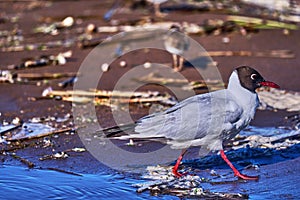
176	43
156	4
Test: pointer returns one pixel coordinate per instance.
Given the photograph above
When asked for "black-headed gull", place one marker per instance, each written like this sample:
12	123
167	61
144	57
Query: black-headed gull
206	120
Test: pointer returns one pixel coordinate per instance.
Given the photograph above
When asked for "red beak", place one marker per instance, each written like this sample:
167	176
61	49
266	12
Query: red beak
269	84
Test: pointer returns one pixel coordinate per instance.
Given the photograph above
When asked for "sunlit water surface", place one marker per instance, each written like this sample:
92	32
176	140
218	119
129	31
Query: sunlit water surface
22	183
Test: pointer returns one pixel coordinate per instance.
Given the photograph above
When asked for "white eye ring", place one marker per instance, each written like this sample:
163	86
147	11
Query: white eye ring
253	76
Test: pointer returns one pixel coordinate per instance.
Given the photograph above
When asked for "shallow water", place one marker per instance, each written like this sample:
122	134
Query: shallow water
22	183
278	171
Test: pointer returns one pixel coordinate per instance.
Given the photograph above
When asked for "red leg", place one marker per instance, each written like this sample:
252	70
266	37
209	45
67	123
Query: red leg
175	168
236	172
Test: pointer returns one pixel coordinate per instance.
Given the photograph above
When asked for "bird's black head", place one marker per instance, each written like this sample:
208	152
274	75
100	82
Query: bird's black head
175	27
251	79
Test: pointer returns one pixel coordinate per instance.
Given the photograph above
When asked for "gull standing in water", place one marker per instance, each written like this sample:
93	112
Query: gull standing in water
206	120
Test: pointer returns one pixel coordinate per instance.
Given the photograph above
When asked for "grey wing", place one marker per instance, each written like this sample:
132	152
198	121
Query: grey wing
192	118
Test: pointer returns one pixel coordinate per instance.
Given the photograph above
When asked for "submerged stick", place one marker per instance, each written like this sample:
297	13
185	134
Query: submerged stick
63	171
23	160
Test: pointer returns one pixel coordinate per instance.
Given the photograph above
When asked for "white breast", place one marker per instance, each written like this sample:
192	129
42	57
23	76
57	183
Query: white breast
246	99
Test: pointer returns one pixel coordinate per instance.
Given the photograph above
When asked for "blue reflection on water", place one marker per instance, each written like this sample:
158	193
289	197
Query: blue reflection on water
279	177
22	183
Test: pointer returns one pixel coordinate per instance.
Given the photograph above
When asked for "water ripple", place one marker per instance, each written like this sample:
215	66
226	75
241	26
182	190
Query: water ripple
21	183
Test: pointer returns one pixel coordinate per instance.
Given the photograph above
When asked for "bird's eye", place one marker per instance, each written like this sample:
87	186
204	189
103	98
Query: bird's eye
253	76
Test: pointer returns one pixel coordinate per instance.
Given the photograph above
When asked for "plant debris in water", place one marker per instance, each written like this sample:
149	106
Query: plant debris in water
162	181
269	100
278	138
30	130
252	142
36	127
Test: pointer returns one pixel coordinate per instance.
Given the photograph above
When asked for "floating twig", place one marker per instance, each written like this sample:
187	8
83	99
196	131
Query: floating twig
23	160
